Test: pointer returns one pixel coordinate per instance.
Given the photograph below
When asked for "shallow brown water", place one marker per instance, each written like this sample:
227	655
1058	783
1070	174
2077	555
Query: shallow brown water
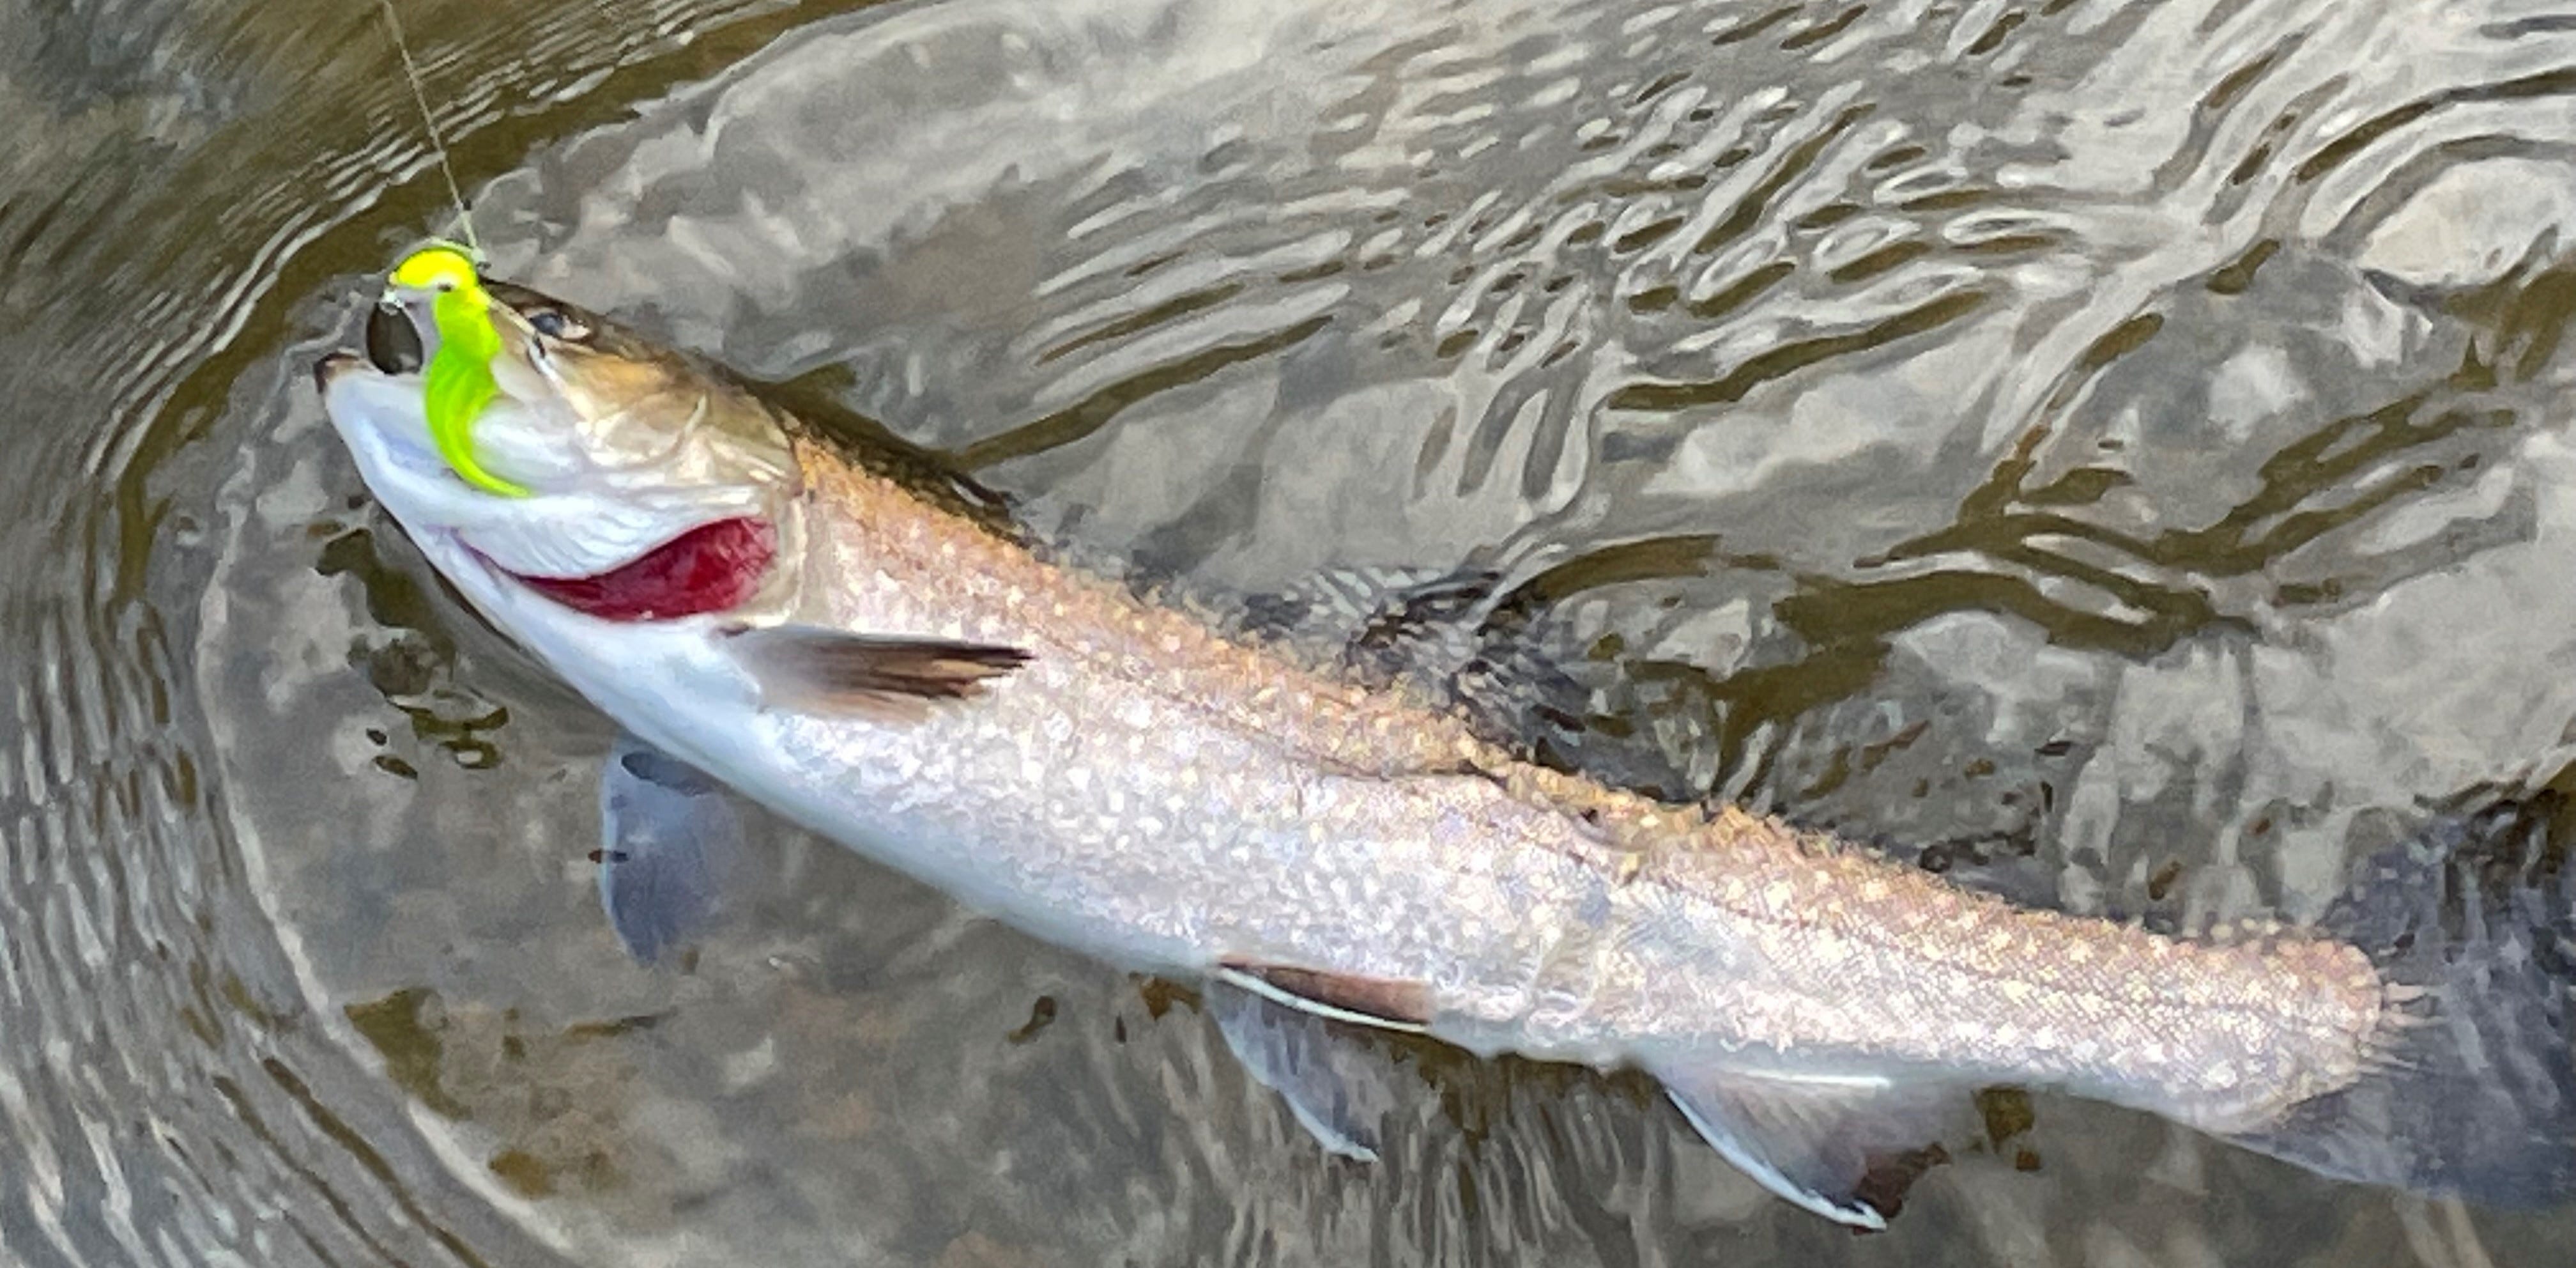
2116	452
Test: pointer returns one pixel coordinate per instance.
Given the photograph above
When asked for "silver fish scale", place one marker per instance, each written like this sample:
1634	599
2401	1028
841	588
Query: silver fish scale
1146	790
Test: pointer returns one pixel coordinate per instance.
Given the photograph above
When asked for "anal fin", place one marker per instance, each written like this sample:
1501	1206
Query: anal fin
1335	1086
1365	1001
1844	1147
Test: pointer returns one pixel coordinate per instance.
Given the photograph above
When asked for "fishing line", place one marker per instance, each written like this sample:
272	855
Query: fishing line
420	98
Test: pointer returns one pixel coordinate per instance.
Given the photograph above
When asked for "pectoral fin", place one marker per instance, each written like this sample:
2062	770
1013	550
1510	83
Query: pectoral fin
667	834
1842	1147
811	669
1335	1086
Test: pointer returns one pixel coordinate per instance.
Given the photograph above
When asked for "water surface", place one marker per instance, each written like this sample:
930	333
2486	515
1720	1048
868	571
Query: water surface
2114	452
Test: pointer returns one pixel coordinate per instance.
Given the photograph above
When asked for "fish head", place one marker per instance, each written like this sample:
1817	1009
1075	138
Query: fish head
553	445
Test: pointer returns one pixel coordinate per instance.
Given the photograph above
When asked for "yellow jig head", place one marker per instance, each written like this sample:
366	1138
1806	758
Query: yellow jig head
458	382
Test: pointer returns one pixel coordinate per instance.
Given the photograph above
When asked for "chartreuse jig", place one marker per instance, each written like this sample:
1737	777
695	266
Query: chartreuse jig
458	382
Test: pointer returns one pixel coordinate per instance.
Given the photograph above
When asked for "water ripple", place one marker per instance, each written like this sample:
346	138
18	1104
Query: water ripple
2112	451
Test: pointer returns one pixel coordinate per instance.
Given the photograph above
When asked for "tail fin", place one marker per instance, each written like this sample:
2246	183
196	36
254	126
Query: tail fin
2473	924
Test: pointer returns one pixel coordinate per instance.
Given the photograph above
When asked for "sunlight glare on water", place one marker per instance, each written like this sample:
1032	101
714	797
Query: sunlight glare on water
2111	452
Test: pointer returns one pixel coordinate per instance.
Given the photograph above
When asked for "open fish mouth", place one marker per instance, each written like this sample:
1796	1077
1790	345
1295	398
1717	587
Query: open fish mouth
396	341
377	394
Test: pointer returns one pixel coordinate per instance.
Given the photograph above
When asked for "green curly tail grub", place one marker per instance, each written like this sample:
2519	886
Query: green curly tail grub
459	382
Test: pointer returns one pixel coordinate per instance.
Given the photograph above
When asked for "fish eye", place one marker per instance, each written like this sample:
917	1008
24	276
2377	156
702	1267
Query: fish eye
553	324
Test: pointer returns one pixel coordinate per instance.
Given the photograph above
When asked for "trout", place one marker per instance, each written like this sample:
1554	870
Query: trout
870	649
